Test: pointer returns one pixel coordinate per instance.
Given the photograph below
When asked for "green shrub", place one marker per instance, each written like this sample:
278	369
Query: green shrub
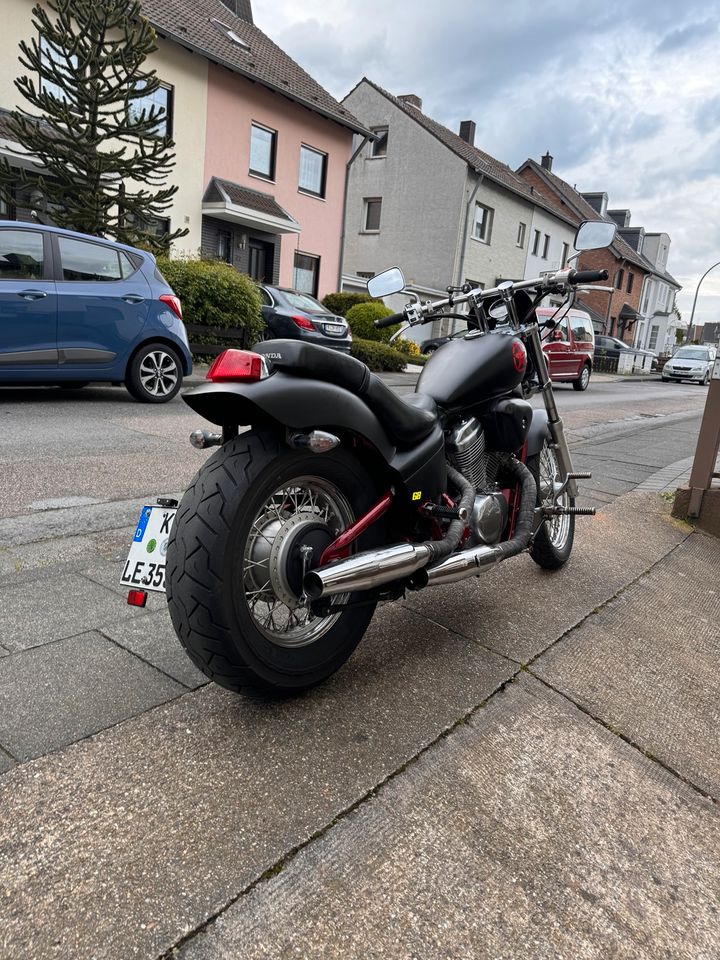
378	356
340	303
361	319
214	294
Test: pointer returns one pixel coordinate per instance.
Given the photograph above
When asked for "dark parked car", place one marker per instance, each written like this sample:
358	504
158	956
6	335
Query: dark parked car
430	346
76	309
289	314
612	347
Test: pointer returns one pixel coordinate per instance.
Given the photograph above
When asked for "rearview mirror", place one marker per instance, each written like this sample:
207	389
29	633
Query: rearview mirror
387	282
594	235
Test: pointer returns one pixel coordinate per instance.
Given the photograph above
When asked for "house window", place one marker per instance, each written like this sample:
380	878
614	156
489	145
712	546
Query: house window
474	284
313	170
652	340
155	226
157	104
365	274
373	208
546	246
262	151
536	242
662	297
379	146
306	272
619	277
565	252
51	57
482	228
224	246
520	242
631	277
4	209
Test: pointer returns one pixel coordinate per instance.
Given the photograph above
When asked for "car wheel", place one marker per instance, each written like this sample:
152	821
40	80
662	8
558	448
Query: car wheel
665	379
706	379
430	349
154	374
583	380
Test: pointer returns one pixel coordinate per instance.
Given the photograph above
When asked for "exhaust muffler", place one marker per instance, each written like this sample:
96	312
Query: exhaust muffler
366	570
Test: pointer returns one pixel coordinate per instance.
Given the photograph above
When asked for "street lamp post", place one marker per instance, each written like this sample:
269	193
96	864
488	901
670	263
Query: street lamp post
697	290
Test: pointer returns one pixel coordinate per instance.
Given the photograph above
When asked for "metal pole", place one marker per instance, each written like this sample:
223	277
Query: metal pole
697	290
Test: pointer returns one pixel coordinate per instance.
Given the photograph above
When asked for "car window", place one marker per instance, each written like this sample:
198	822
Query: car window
688	353
83	261
265	297
127	265
301	301
562	329
21	255
581	327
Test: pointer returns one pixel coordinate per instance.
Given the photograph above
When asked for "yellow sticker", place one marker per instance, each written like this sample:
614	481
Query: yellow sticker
417	494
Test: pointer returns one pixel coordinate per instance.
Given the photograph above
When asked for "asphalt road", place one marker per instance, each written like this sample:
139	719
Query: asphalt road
62	447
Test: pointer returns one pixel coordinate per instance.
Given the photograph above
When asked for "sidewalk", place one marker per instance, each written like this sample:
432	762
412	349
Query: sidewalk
515	766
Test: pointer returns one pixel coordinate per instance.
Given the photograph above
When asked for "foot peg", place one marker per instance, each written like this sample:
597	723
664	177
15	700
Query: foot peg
442	512
579	476
569	511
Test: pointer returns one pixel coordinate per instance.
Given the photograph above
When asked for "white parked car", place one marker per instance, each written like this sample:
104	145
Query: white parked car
690	363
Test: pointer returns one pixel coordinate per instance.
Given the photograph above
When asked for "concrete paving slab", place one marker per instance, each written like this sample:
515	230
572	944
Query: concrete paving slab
53	695
647	663
500	608
119	845
6	761
530	832
51	609
153	639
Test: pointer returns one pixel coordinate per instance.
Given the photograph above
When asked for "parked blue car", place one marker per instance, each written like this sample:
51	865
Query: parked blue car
76	309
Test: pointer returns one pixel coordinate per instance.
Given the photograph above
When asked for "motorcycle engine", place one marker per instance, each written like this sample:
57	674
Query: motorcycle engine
466	448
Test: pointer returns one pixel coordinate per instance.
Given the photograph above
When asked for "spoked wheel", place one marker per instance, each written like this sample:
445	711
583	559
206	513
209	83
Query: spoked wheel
553	541
257	517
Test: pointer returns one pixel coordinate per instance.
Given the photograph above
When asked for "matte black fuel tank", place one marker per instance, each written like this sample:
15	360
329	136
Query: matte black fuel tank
472	369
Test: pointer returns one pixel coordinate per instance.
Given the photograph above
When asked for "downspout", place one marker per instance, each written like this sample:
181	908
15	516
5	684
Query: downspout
366	139
471	201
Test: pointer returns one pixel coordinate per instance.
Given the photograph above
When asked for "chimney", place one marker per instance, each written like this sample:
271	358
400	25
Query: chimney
467	131
621	217
412	100
546	162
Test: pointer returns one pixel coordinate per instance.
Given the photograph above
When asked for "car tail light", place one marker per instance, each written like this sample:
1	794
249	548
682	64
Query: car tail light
303	322
237	365
174	303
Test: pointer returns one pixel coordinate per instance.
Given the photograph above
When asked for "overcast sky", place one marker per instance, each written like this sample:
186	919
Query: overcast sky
624	95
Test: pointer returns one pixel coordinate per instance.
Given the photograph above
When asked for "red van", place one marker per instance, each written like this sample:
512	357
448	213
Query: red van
569	347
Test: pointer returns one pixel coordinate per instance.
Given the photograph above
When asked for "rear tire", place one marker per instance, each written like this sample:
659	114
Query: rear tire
583	380
553	541
242	522
154	374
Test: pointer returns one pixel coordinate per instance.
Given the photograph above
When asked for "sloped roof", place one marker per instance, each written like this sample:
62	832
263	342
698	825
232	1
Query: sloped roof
576	202
219	189
480	161
202	26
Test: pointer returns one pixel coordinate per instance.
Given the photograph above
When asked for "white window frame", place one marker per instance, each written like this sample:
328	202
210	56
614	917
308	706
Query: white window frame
366	210
374	152
546	246
520	242
536	242
483	223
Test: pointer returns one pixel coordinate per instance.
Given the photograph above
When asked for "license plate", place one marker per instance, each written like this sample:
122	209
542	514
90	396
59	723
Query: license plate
145	565
334	328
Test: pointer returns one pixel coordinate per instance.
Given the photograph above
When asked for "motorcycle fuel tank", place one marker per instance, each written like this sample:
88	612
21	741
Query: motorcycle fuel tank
473	369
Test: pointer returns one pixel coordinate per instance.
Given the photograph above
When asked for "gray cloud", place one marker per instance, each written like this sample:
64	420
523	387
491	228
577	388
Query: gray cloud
707	116
685	35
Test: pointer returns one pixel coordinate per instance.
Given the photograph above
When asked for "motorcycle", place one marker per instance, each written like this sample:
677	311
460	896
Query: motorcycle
343	494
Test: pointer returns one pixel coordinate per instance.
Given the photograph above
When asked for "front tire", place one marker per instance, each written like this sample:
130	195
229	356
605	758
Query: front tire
553	541
583	380
236	556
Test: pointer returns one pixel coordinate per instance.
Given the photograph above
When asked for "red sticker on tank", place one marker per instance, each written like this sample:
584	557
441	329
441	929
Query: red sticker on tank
519	356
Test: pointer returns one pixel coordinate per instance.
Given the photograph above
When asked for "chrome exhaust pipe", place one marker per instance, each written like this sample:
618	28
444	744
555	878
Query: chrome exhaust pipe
366	570
458	566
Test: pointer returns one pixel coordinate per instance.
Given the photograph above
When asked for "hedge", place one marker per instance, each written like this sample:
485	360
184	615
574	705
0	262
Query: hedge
362	317
340	303
378	356
214	294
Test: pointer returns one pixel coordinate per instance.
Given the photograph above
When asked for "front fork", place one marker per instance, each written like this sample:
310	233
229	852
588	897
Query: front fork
554	419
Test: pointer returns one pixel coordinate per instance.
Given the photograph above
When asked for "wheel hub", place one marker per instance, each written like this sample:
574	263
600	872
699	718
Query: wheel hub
278	559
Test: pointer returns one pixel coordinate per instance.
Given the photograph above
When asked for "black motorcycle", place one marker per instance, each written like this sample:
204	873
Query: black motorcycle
343	494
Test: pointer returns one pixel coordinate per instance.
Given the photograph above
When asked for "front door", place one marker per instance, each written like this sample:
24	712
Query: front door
260	266
28	305
557	352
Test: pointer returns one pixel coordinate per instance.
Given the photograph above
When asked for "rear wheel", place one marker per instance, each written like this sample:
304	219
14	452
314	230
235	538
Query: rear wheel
154	374
554	540
583	380
255	519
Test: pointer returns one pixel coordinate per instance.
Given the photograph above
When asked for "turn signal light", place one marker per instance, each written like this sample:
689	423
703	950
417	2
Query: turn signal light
303	322
236	365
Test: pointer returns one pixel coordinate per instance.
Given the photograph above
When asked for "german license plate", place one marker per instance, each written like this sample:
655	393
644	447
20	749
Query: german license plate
145	565
334	328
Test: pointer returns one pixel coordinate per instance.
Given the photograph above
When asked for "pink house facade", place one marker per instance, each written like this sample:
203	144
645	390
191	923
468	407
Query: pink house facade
275	173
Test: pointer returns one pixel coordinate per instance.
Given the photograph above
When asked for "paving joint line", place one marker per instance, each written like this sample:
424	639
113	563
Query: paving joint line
462	636
172	952
149	664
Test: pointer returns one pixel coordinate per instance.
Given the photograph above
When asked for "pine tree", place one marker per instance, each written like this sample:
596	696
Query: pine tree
95	132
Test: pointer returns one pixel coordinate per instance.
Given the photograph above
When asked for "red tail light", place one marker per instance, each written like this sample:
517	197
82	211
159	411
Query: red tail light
303	322
236	365
174	303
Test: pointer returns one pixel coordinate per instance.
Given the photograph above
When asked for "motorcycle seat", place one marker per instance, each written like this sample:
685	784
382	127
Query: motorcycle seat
408	420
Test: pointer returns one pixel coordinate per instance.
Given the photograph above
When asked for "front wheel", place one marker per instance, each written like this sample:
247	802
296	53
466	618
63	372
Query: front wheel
553	541
583	380
255	519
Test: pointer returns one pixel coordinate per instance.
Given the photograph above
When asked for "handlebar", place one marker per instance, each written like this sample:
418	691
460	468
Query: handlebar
587	276
389	321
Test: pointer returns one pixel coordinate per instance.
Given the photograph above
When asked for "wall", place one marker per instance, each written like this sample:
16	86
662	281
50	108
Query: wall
559	233
501	258
234	103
